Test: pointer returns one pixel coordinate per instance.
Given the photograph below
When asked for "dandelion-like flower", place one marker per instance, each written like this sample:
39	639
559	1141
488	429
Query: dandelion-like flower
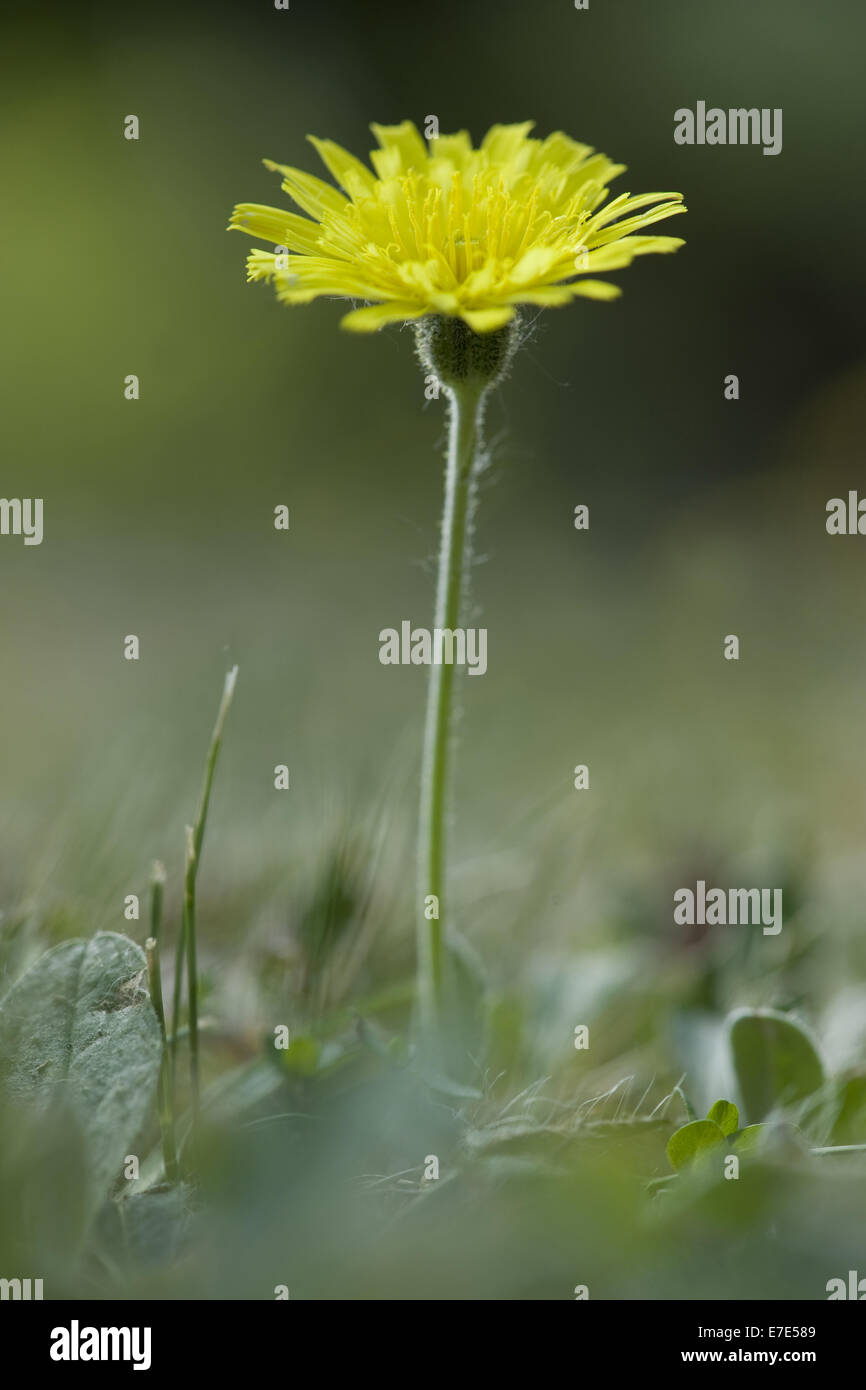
451	230
456	239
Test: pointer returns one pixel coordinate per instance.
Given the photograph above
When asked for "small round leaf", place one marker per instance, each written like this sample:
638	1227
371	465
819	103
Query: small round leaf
692	1142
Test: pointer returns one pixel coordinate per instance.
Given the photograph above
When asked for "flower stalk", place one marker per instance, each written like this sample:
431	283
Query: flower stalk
454	561
468	366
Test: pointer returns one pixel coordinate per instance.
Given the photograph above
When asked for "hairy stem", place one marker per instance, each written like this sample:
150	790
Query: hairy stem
454	557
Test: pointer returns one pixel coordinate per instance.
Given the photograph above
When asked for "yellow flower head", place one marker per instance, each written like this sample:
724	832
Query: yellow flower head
453	230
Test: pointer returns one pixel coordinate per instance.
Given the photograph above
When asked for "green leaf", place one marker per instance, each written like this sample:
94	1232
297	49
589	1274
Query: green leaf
693	1141
749	1138
850	1123
154	1224
79	1027
726	1116
775	1060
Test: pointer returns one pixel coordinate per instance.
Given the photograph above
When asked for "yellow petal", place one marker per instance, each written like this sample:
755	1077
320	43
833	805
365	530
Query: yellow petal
622	253
626	203
277	225
456	149
375	316
596	289
631	224
261	265
537	262
313	195
502	142
559	149
548	297
640	245
402	149
487	320
349	172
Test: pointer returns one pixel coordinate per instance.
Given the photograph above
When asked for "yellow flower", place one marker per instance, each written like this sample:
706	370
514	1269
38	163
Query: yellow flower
453	230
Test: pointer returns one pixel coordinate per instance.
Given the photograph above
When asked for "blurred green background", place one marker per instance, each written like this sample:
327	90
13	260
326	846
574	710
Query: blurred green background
605	647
